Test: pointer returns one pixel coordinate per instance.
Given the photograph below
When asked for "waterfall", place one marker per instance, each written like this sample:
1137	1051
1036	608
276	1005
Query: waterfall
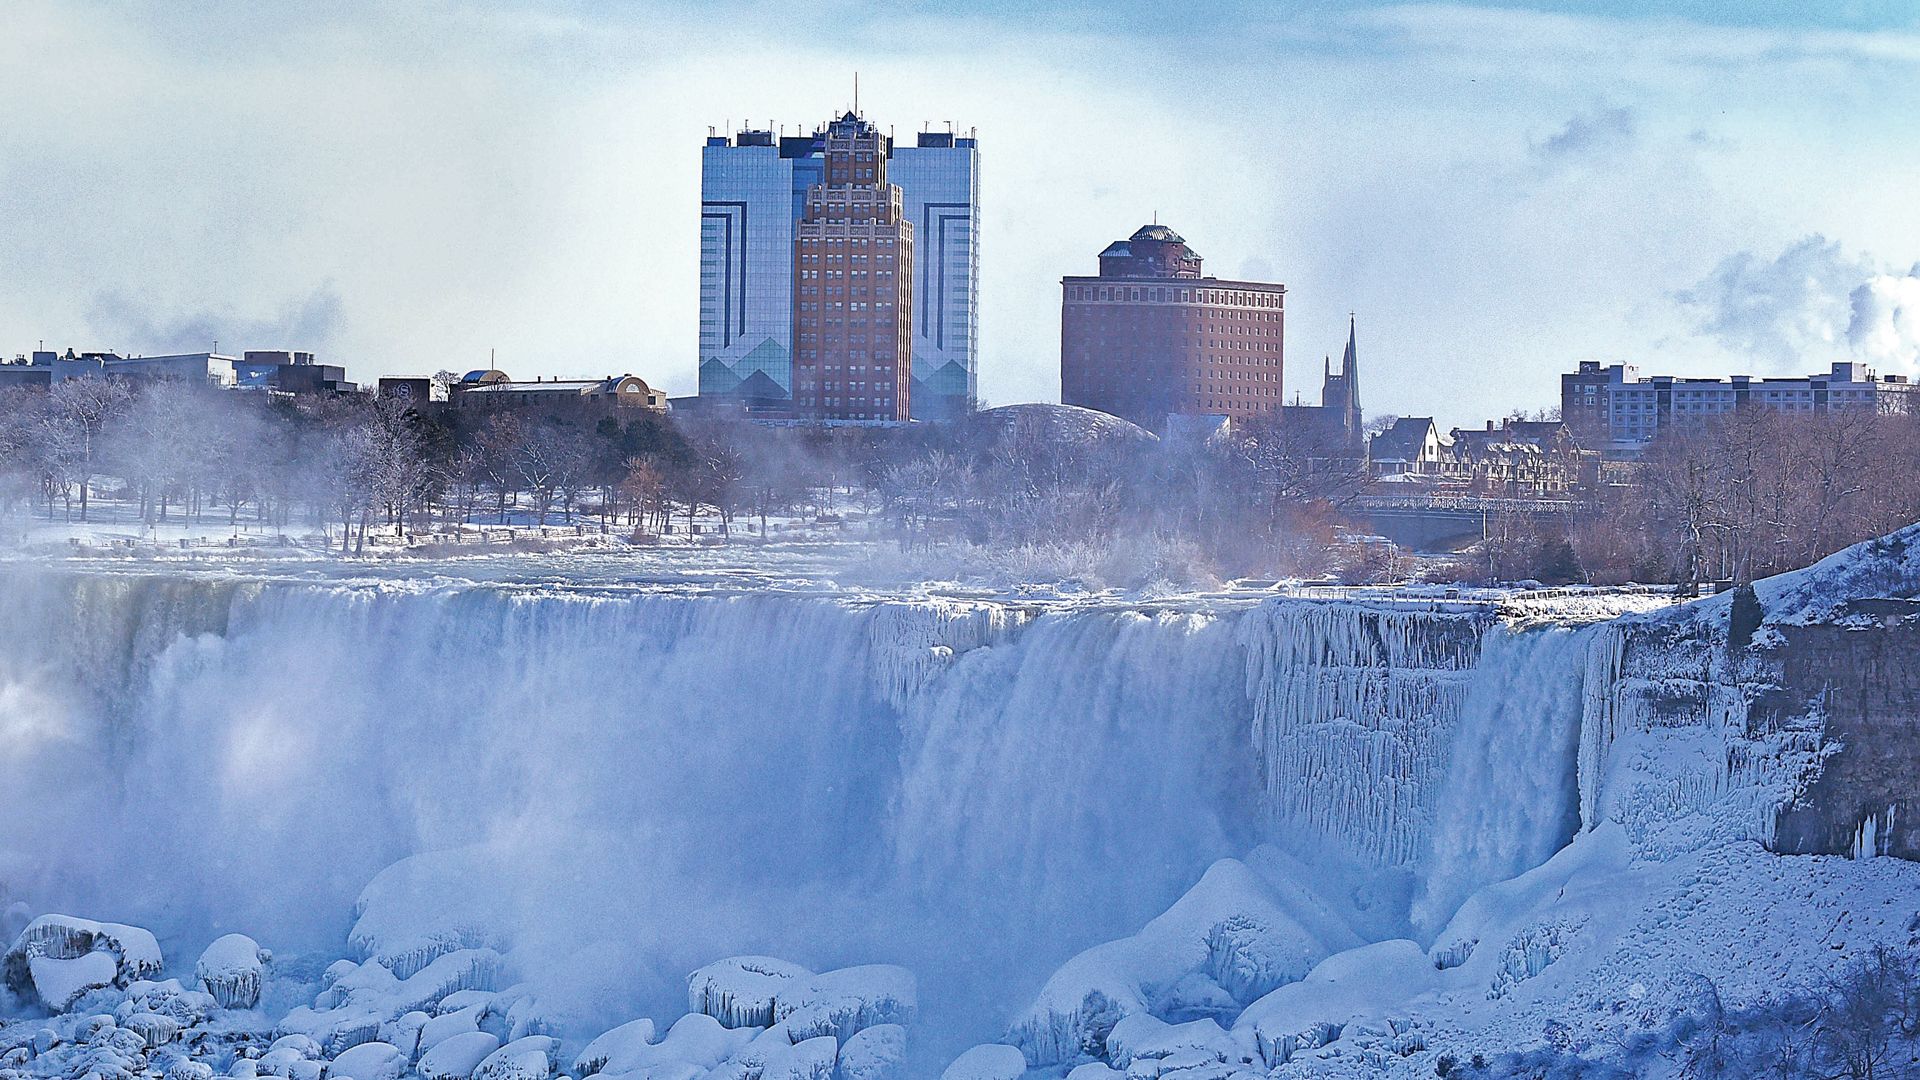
1512	793
616	786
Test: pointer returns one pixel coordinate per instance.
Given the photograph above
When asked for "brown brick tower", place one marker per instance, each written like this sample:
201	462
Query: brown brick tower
853	294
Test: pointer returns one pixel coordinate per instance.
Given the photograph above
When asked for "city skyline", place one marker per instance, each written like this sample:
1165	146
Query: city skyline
1500	192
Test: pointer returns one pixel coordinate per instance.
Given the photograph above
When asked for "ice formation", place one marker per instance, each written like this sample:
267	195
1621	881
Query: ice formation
230	969
533	807
740	991
840	1003
57	958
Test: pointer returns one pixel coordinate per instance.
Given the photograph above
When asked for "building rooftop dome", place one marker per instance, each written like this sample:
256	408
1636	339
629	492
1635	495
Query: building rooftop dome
1064	424
1157	232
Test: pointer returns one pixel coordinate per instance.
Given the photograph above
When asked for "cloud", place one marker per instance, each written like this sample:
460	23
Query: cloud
1784	313
1810	305
313	323
1602	131
1886	320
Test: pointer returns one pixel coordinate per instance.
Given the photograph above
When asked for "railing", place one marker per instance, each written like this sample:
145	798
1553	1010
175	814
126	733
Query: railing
1478	504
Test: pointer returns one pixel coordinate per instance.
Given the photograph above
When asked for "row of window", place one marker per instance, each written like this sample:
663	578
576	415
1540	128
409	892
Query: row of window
1174	295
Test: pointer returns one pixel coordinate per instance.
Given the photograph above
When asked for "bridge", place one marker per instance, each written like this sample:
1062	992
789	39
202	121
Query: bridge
1442	523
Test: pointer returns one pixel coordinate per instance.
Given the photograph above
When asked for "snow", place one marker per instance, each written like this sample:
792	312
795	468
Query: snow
455	1057
811	1059
694	1040
616	1047
875	1053
369	1061
58	982
1361	983
356	1003
1144	1037
1232	926
529	1058
450	1022
990	1061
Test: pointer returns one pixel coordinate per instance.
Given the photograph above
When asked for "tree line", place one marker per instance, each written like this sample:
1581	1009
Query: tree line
1259	502
1738	497
1745	495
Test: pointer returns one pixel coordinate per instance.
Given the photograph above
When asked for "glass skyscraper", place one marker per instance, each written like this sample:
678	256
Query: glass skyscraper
752	191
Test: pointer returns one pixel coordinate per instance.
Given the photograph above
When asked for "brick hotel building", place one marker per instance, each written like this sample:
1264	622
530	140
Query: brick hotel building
853	286
1151	337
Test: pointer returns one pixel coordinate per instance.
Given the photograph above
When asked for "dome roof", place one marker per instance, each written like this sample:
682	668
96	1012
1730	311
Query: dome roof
1066	423
1157	232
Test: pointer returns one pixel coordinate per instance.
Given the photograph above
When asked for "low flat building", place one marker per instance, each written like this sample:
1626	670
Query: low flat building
492	389
46	367
1610	410
285	371
211	368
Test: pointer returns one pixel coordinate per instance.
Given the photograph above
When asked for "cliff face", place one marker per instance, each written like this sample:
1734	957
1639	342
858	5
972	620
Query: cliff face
1864	678
1788	713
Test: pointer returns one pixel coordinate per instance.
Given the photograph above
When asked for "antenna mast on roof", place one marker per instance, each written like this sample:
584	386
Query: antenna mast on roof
856	93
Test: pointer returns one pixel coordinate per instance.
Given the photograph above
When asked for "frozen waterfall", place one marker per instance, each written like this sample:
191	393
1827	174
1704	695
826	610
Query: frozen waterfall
615	787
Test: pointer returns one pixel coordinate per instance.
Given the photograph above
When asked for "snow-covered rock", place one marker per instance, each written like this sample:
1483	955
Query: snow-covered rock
457	1056
843	1002
616	1045
231	970
57	958
155	1028
739	991
368	1061
359	1000
1358	984
446	1025
404	1030
875	1053
530	1058
810	1059
1143	1037
1094	1070
694	1044
991	1061
1232	926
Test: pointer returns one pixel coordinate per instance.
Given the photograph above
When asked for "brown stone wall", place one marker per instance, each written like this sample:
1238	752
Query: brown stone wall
1866	680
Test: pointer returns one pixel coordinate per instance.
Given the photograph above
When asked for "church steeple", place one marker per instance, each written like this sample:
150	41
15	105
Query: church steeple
1350	367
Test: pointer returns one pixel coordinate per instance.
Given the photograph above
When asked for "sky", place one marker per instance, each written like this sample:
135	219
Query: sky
1495	191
